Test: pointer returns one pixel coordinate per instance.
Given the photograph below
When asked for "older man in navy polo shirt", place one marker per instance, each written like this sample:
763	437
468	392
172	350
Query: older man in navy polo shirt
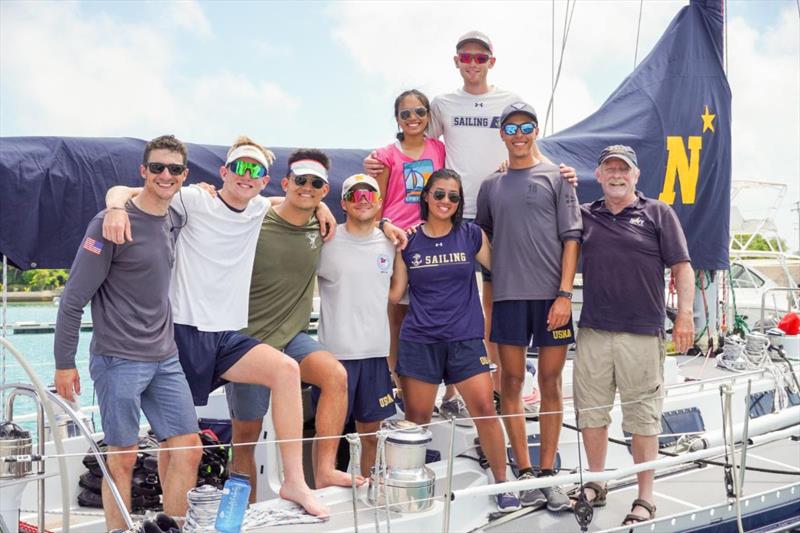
628	240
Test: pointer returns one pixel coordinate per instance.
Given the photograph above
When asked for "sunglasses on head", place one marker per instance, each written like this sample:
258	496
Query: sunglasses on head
526	128
174	168
240	168
405	114
316	181
362	194
453	196
467	57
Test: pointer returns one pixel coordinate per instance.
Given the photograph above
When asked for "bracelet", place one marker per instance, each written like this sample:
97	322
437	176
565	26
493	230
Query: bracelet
565	294
383	222
120	208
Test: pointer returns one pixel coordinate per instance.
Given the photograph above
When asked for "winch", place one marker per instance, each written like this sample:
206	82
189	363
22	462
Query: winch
403	480
14	442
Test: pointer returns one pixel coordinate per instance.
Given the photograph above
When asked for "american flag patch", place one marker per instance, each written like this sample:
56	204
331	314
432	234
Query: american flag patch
91	245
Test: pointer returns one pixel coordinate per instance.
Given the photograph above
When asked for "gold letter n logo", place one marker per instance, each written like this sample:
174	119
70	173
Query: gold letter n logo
686	168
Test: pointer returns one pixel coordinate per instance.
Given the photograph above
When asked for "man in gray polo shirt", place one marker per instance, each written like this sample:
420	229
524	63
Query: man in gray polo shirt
532	216
134	360
628	240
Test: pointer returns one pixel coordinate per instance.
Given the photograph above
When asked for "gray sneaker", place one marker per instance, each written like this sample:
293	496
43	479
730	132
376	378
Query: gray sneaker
557	499
530	497
455	408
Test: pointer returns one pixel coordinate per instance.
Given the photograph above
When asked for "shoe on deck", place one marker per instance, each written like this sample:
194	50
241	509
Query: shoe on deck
507	502
455	408
557	499
530	497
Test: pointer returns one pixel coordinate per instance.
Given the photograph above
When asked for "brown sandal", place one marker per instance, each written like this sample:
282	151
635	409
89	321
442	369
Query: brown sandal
631	518
600	493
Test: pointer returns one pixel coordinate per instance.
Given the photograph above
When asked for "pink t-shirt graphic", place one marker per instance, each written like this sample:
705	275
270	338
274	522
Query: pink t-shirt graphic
407	177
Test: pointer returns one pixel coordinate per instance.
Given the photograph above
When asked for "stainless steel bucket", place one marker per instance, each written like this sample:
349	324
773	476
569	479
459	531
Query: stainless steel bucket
14	441
405	444
405	481
408	491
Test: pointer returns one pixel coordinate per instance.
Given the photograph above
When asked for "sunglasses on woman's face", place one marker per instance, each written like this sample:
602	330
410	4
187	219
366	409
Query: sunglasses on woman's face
405	114
439	194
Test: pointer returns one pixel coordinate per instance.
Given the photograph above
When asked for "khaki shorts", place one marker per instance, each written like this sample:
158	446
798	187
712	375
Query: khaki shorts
606	361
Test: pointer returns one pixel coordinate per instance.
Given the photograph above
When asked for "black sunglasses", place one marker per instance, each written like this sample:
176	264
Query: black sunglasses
316	182
453	196
174	168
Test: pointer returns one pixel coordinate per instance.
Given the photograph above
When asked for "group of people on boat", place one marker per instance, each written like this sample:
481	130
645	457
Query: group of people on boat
194	288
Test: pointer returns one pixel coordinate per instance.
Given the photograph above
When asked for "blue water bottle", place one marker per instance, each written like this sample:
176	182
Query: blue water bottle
235	496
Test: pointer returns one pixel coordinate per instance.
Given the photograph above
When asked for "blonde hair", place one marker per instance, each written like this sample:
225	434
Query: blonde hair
244	140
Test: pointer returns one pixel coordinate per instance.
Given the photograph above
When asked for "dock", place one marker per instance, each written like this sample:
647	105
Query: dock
30	327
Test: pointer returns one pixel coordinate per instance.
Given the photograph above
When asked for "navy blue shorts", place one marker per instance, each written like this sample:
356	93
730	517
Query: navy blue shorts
524	323
247	401
369	390
206	355
453	361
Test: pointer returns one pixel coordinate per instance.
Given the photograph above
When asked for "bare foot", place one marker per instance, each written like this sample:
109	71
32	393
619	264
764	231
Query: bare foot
337	478
302	495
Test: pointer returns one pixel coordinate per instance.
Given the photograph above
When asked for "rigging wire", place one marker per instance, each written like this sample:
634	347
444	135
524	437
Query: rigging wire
553	60
638	31
567	25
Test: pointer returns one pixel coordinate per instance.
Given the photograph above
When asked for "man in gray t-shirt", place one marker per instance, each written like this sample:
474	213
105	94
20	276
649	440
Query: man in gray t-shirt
134	361
534	221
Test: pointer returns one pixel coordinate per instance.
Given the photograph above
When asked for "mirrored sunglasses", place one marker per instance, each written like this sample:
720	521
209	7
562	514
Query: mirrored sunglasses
240	168
362	194
467	57
526	128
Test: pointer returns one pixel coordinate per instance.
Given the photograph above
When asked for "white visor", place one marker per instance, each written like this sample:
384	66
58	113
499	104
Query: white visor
249	151
309	166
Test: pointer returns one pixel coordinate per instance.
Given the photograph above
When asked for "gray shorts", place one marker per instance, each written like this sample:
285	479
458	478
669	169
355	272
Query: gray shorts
125	388
250	402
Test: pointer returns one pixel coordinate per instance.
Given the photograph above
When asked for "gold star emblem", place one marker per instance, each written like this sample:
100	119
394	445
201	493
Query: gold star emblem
708	121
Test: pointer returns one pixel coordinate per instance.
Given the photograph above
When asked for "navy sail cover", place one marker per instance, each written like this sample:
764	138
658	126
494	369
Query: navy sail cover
674	109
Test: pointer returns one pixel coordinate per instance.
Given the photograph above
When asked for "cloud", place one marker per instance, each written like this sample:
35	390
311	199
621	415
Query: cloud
410	49
61	76
764	75
189	15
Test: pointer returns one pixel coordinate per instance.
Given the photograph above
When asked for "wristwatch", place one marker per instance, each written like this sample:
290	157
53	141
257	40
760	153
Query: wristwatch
382	222
565	294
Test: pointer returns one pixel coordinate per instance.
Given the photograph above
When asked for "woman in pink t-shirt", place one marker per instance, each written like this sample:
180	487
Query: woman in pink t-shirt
409	161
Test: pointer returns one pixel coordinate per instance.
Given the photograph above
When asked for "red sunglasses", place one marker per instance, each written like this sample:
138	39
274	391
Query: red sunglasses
467	57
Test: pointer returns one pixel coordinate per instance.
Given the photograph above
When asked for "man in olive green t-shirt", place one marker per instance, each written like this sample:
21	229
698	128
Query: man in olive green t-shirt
281	296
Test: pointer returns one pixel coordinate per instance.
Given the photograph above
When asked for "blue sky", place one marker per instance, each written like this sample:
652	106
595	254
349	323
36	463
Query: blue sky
325	73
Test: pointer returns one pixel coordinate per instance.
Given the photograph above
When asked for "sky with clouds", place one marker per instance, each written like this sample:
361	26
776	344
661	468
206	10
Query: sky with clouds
326	73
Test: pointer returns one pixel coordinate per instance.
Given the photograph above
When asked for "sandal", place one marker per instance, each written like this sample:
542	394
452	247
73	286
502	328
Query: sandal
600	493
631	518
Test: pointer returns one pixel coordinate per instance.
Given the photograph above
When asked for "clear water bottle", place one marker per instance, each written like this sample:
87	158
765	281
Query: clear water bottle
235	496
